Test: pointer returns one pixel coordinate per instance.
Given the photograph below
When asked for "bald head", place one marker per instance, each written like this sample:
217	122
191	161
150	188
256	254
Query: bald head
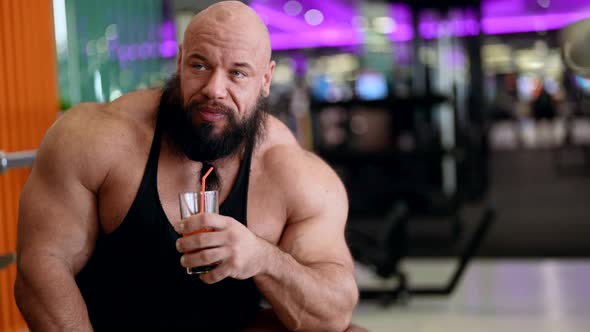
225	57
234	18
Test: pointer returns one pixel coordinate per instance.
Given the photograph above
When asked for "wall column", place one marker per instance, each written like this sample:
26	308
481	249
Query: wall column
28	106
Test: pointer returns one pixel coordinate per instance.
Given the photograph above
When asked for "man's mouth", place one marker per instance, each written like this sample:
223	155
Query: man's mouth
212	114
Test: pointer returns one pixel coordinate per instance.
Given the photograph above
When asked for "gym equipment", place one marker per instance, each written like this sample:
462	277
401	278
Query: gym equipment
6	260
575	47
383	249
572	157
8	161
16	159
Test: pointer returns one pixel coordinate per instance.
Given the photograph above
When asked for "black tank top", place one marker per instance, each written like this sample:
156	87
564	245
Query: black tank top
134	280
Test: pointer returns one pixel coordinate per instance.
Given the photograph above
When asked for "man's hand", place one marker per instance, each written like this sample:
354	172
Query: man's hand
239	252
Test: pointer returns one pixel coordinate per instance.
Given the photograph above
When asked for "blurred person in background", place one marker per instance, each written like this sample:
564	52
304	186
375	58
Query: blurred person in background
544	112
506	130
99	239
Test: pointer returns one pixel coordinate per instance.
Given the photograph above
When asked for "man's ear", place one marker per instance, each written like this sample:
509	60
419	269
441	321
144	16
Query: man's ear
268	78
179	60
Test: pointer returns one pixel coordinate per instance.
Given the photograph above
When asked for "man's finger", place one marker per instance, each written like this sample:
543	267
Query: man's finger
219	273
199	241
200	223
204	257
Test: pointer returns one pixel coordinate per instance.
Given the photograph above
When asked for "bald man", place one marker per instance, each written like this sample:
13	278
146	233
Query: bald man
100	242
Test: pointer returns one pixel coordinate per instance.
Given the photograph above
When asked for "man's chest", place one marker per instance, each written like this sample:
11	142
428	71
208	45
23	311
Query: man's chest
266	215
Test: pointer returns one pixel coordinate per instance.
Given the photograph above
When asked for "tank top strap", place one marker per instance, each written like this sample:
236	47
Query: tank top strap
152	164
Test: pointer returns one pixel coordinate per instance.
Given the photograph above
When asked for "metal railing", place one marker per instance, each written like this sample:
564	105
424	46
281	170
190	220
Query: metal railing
8	161
16	159
6	260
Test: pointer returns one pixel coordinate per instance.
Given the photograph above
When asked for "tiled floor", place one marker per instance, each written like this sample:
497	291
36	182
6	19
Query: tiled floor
540	211
494	295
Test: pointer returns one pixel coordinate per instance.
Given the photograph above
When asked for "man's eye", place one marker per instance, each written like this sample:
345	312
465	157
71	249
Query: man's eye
198	66
238	74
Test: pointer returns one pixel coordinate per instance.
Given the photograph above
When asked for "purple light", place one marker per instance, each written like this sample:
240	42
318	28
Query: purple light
472	27
278	19
122	53
463	22
113	45
292	8
337	12
459	28
144	50
513	24
402	16
319	38
499	17
287	32
168	48
167	30
132	52
314	17
403	33
431	28
401	13
148	49
300	64
502	8
403	53
428	30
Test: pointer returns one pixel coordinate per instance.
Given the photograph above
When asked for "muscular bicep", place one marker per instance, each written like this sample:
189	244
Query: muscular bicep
315	229
57	222
314	242
57	212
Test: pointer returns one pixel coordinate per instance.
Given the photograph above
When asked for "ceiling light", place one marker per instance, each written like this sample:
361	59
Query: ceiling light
314	17
292	7
544	3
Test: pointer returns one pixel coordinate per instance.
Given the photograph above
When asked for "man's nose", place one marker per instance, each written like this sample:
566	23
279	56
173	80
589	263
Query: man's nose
215	87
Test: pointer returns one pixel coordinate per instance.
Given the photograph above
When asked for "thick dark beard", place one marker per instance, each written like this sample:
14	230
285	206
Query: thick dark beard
197	141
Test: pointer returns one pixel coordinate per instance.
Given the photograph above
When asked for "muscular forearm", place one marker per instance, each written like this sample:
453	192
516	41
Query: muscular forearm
49	298
318	297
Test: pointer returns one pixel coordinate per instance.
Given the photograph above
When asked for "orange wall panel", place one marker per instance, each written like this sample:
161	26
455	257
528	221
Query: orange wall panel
28	106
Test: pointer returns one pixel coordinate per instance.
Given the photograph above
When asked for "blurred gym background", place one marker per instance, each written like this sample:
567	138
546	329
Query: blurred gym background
461	129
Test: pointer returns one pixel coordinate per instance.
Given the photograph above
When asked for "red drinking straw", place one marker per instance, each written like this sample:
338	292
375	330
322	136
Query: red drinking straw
202	201
203	180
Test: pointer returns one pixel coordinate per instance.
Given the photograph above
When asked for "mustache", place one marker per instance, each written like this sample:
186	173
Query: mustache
214	106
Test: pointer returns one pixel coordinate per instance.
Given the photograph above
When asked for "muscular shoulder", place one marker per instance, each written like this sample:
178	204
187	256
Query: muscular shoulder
88	138
117	122
306	182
